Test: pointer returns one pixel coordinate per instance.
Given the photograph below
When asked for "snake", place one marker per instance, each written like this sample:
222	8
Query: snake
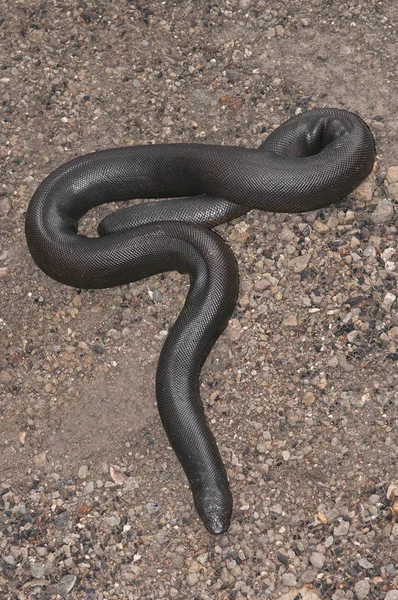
312	160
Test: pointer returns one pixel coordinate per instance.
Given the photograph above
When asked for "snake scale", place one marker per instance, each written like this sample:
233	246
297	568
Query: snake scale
312	160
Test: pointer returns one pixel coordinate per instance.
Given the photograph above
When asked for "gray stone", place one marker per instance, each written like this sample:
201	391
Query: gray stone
192	579
300	263
232	75
82	472
277	509
342	528
392	174
393	191
375	498
362	588
152	507
234	330
344	364
365	564
5	377
61	520
261	284
37	570
384	211
89	488
113	520
388	301
63	587
290	322
390	568
317	560
364	192
329	541
309	398
308	576
289	580
5	206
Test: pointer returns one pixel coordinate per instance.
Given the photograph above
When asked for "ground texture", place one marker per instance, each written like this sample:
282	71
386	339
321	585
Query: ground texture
301	390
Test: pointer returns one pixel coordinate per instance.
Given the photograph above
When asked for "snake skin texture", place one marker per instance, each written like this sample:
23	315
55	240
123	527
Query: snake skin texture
312	160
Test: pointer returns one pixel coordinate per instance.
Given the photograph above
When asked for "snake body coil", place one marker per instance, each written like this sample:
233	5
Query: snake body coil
308	162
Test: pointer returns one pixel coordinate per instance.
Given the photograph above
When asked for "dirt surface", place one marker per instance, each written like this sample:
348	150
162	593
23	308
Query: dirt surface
301	390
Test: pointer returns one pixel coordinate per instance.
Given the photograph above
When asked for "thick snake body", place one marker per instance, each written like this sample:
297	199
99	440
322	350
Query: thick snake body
310	161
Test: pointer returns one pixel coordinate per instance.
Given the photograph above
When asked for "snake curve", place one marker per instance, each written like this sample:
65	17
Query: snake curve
312	160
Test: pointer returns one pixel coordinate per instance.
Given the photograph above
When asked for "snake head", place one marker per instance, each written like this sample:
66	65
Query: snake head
215	509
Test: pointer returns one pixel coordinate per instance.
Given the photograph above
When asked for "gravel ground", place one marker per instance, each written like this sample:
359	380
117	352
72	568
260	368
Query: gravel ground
302	389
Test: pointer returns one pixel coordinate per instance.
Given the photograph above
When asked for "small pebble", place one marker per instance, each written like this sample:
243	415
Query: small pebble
344	364
309	398
393	191
5	377
152	508
82	472
113	520
384	212
329	541
37	571
60	520
290	322
5	206
388	301
308	576
234	330
362	588
232	75
374	499
365	564
40	459
63	587
392	174
89	488
364	192
317	560
342	528
289	580
192	579
300	263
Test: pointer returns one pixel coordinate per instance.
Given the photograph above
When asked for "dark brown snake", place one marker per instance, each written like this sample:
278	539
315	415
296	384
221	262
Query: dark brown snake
310	161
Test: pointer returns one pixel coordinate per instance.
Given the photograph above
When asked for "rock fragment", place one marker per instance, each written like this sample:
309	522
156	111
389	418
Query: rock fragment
384	212
63	587
300	263
317	559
